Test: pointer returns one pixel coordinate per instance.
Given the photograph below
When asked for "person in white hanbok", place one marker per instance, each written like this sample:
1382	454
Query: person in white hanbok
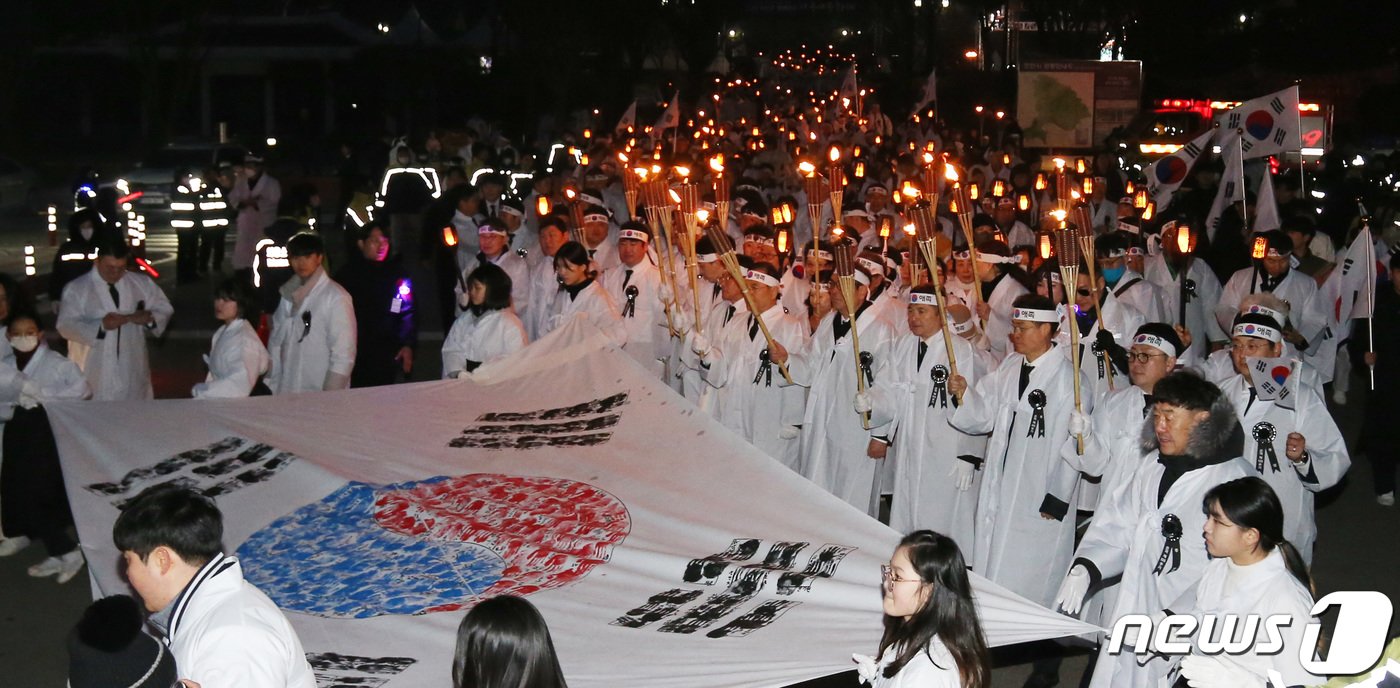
932	637
1256	573
1273	274
580	295
1126	285
635	285
715	291
543	281
1293	444
237	357
488	329
1143	530
840	453
1026	506
750	394
106	317
493	240
1202	291
32	495
1102	341
1001	279
312	344
936	476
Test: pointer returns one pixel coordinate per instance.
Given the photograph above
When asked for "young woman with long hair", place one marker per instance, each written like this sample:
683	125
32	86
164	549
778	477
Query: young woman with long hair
503	642
488	329
932	636
580	292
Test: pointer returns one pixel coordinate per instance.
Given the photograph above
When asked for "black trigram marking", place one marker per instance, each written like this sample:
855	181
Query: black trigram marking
1246	144
226	466
1280	135
1191	150
568	426
656	608
1232	121
334	670
762	615
1277	106
745	583
822	565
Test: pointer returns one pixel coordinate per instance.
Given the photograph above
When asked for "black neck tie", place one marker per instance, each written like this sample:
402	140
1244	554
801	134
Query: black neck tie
923	349
628	277
753	327
116	297
728	313
1026	370
714	293
1252	396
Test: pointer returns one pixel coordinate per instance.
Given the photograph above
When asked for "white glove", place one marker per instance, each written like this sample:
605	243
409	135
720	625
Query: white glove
961	473
700	344
1070	599
1218	672
789	432
681	320
664	293
1078	423
862	402
29	394
464	301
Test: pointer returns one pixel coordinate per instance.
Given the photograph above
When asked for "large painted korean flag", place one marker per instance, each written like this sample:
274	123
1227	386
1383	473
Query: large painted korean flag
661	549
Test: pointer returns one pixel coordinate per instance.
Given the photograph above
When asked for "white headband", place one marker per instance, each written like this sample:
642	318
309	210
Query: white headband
488	229
820	253
1035	315
1279	317
633	234
759	239
917	297
1260	331
860	277
1136	251
1129	227
856	212
1114	253
595	217
761	278
962	255
871	266
961	327
1157	343
707	257
995	259
508	210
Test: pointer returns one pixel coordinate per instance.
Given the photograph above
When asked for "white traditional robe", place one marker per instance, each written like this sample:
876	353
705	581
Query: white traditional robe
1200	306
1295	483
758	407
481	338
236	359
514	266
1143	295
115	362
592	302
312	344
834	442
913	398
647	339
1023	473
1296	289
998	325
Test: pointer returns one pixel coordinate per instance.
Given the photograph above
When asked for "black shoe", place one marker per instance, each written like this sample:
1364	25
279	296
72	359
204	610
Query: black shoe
1042	681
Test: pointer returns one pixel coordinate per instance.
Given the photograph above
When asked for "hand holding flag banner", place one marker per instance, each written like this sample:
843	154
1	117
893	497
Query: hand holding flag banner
1270	377
1165	176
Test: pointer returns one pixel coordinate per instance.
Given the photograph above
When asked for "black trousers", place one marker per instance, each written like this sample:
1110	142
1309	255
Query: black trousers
211	246
33	502
186	255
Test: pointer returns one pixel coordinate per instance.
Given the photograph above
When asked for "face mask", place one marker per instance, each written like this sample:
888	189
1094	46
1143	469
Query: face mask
25	344
1112	275
85	233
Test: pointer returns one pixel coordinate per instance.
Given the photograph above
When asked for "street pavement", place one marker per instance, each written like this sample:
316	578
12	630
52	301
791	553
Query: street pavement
1357	547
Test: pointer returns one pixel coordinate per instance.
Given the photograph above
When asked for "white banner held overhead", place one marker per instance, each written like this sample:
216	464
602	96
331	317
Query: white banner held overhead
662	549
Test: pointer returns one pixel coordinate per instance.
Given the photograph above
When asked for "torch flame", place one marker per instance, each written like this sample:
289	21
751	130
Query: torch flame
622	157
570	194
1088	186
675	197
950	173
1023	203
717	163
782	241
928	158
834	153
807	168
1059	164
542	205
702	215
908	190
682	170
1045	247
449	236
885	223
787	214
1150	210
1260	246
1184	241
641	172
909	229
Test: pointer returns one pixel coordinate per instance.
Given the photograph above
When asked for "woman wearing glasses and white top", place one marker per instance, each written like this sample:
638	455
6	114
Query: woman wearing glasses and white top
932	637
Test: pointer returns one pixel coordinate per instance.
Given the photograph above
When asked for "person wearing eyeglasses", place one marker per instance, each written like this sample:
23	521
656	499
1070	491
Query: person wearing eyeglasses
1191	441
1103	336
932	637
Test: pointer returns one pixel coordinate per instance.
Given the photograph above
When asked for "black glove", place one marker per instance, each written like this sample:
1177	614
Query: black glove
1117	355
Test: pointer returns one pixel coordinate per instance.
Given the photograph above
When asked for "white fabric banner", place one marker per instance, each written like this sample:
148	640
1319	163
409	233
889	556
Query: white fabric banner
662	549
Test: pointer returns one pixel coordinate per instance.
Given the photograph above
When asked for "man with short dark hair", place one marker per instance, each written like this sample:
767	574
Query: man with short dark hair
223	631
106	317
383	297
313	331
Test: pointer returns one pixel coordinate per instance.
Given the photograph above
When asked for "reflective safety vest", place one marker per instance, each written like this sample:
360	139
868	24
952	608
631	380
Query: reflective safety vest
195	205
